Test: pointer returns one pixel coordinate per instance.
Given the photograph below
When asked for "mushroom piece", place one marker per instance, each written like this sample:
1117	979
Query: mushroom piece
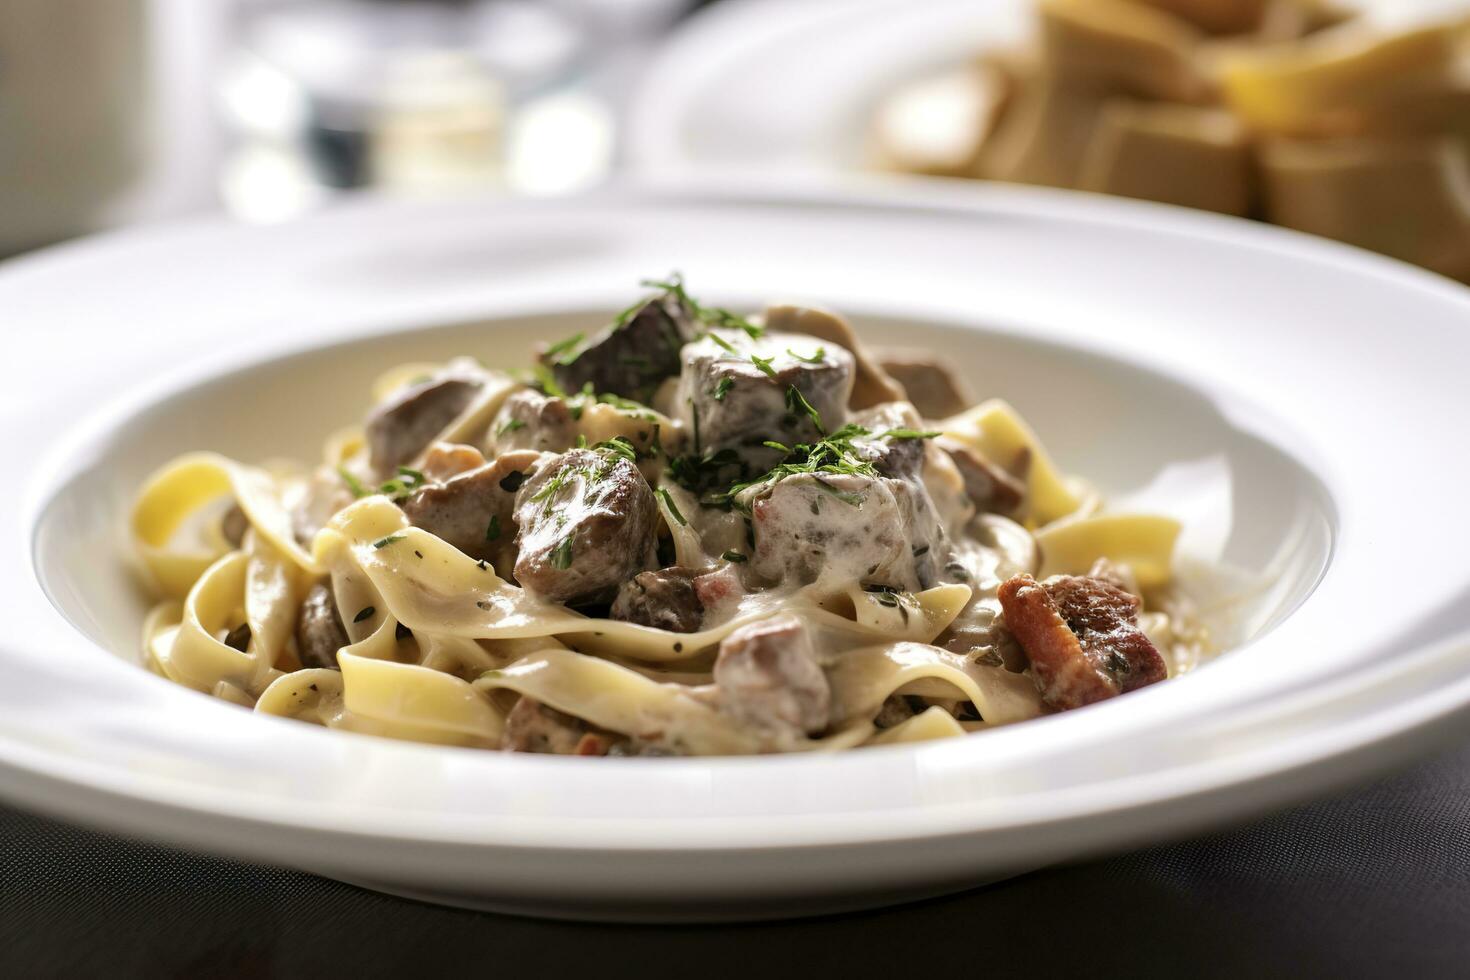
401	427
319	629
928	384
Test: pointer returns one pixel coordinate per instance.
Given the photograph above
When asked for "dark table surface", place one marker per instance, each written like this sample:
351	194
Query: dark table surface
1375	882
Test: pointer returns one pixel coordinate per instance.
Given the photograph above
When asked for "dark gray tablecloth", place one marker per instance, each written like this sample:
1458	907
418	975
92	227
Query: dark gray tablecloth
1372	883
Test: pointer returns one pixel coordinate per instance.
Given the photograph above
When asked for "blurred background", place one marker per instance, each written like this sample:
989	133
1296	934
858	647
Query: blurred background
1345	118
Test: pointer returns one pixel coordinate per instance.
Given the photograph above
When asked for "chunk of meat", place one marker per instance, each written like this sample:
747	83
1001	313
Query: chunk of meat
475	511
319	630
587	524
767	676
533	727
736	392
630	356
927	382
403	426
531	420
444	460
1082	638
990	488
830	530
665	599
871	384
901	455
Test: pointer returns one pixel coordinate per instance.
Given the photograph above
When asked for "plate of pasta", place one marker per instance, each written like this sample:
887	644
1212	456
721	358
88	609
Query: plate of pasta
484	557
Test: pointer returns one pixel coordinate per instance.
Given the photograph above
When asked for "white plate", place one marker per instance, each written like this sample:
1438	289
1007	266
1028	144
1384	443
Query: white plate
1311	397
788	86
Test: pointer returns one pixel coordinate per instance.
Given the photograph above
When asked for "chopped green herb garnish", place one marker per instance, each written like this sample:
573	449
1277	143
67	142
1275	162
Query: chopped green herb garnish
796	403
733	556
385	542
366	612
618	446
770	444
492	531
668	499
764	363
546	381
723	388
561	555
722	342
816	358
710	315
353	483
565	351
511	425
902	433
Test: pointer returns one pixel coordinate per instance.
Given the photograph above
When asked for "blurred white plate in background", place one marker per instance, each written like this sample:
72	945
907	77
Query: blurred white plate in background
787	86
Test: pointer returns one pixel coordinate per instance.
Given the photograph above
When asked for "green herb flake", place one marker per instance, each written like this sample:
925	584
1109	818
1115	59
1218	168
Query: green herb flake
734	556
561	555
382	543
817	358
902	433
723	388
565	352
668	500
796	403
722	342
764	363
511	425
618	446
492	531
353	483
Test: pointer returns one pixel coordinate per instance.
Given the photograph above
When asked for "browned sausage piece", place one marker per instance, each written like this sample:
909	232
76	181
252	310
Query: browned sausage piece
319	630
1081	635
631	356
587	523
474	511
767	677
931	387
665	599
403	425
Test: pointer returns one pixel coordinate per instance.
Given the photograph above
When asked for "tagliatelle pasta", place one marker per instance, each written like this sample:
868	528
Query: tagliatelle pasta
677	539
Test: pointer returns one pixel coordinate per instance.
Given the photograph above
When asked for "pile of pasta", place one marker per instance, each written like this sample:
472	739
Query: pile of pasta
443	646
1289	111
